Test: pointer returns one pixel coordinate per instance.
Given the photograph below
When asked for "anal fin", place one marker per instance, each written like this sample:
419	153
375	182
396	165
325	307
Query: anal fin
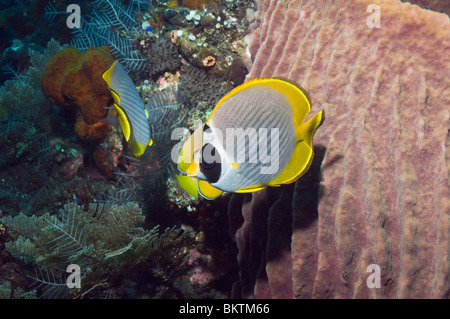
189	184
206	190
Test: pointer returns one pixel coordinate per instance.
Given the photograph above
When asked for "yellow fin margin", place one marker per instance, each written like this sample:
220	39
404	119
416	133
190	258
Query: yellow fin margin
193	186
188	184
107	78
206	190
124	122
296	95
137	148
250	189
303	153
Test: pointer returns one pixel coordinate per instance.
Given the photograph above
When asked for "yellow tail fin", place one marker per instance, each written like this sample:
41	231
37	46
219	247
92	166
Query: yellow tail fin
303	153
305	132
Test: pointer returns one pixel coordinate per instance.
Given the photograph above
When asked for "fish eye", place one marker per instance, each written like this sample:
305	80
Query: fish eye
208	155
206	165
210	163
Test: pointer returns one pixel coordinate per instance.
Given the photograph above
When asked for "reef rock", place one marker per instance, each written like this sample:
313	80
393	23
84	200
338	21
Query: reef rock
377	194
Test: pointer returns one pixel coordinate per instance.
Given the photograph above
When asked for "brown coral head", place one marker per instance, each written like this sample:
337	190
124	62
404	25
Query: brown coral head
209	61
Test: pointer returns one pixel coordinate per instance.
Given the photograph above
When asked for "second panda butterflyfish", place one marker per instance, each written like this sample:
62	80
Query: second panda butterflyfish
255	137
129	107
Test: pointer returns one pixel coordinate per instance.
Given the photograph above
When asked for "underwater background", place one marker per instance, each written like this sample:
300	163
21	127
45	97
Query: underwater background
72	193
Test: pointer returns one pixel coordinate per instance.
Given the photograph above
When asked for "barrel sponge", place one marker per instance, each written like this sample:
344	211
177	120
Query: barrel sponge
377	192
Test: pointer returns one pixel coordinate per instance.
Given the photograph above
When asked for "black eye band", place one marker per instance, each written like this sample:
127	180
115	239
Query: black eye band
210	163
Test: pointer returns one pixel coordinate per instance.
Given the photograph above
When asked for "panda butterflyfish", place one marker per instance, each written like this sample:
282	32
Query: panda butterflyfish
129	108
255	137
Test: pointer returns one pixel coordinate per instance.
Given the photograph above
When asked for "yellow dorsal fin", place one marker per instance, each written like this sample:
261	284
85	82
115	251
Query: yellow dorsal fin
172	3
303	153
296	95
107	74
107	78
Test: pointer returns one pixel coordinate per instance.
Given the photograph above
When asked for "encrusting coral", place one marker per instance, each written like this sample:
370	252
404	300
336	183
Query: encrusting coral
196	85
162	56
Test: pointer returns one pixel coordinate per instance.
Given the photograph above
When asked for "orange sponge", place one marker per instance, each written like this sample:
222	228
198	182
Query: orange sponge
96	131
73	80
54	72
